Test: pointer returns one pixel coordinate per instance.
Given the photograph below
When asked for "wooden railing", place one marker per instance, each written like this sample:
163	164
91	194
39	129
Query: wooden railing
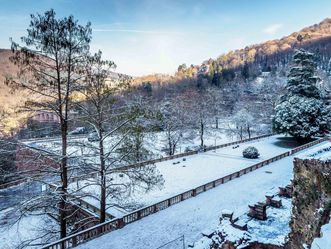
95	210
80	202
114	224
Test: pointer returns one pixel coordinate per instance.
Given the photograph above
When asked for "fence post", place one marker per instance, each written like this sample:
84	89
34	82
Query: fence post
63	245
74	241
121	223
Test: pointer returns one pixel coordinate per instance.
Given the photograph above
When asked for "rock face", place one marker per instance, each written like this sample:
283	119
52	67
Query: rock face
255	245
311	201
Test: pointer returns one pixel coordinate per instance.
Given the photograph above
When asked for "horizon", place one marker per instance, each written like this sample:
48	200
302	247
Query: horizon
145	37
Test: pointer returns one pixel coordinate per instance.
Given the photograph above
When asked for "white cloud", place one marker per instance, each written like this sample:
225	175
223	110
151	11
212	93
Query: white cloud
272	29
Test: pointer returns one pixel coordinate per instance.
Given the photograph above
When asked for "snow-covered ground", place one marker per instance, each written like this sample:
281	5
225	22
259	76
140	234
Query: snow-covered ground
271	231
322	152
12	196
14	235
196	170
154	142
324	242
28	227
191	217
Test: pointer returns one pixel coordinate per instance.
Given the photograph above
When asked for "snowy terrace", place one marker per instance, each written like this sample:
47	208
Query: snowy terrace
271	231
180	176
195	215
199	209
30	225
154	142
322	152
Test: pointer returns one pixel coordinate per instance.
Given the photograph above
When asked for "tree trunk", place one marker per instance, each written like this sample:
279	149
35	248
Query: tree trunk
103	180
170	144
170	149
201	133
64	176
216	122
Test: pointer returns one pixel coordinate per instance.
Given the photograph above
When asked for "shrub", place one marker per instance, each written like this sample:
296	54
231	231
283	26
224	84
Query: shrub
251	152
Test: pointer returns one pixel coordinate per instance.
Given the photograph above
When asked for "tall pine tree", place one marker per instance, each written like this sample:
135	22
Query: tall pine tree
302	112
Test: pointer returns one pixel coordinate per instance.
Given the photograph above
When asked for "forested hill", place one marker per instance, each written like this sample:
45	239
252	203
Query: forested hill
7	69
9	101
314	37
271	56
249	62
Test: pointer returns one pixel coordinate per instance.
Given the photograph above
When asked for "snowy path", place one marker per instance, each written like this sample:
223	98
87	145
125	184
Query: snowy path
202	168
197	214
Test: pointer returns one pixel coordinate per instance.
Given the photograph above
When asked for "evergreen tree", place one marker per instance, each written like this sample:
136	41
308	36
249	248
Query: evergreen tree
245	71
302	79
51	56
302	113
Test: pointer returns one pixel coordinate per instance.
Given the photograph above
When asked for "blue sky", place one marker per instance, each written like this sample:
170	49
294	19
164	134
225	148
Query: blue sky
155	36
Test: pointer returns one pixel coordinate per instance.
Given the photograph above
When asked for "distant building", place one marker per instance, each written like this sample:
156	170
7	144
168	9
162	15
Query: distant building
46	117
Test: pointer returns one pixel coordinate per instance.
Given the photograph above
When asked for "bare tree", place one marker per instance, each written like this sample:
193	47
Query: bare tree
216	103
113	121
197	106
172	124
242	123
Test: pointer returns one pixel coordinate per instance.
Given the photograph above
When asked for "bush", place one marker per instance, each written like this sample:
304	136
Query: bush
251	152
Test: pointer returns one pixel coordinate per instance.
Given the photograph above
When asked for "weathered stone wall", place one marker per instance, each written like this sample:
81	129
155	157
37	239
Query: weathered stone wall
311	201
29	160
255	245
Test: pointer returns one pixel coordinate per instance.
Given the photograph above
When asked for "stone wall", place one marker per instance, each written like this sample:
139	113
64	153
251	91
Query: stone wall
29	160
311	201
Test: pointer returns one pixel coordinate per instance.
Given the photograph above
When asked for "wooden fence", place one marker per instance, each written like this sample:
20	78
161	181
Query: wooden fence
89	207
117	223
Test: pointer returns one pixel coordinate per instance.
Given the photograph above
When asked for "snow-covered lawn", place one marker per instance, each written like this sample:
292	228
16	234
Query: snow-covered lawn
154	142
322	153
27	228
197	170
196	214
